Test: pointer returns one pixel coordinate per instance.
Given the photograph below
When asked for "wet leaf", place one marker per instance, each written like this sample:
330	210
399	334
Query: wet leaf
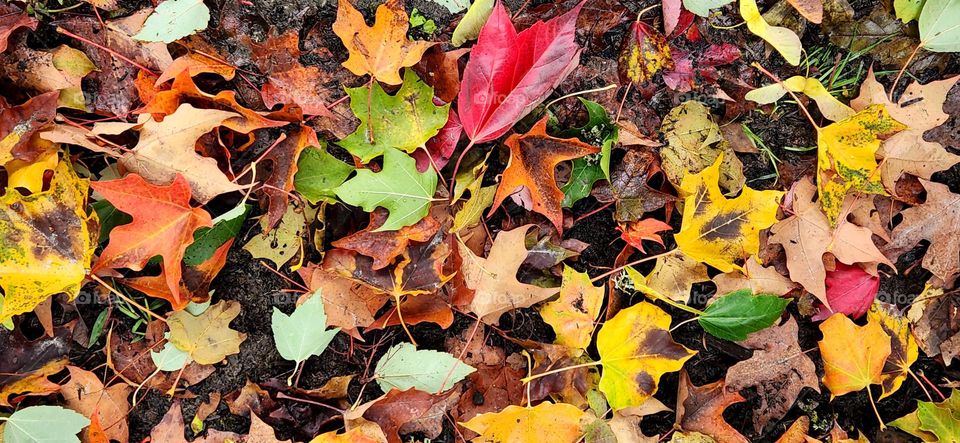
556	422
645	229
694	142
938	29
86	394
399	188
405	120
47	231
635	350
719	231
382	49
735	315
645	52
782	39
903	347
852	368
700	409
533	158
472	22
207	337
43	423
303	333
404	367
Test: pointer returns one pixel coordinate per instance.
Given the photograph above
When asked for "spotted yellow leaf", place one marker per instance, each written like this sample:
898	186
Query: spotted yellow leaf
45	245
903	347
782	39
636	349
572	316
719	231
552	422
846	157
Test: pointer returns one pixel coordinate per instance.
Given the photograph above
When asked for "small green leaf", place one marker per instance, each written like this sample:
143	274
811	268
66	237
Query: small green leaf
318	175
399	188
207	240
109	217
908	10
469	26
173	20
303	333
739	313
170	358
404	367
940	25
44	424
403	121
584	174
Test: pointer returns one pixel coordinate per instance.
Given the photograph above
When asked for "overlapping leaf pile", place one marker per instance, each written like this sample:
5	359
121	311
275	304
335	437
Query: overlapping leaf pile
467	252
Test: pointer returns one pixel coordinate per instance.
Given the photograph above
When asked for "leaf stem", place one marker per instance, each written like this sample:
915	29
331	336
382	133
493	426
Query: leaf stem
396	299
875	411
557	371
792	94
636	262
126	299
104	48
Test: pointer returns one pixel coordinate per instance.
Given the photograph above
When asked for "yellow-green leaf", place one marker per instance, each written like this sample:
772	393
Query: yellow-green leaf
719	231
572	316
846	158
45	245
636	349
782	39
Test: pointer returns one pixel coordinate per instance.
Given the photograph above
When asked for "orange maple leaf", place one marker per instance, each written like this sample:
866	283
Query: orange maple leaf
163	224
533	158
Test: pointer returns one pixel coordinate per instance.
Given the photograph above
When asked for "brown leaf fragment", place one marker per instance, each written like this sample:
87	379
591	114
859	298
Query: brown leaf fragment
700	409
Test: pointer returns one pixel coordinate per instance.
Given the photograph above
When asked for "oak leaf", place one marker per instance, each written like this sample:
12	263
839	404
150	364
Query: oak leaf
207	337
574	314
933	316
382	49
533	158
163	224
510	73
807	235
852	368
636	349
46	232
935	221
494	279
920	108
166	149
700	409
554	422
719	231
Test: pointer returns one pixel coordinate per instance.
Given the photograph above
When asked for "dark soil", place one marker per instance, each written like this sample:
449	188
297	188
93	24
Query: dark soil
259	290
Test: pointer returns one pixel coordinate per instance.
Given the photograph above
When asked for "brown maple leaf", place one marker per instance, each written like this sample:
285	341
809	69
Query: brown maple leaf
347	303
283	167
534	157
385	246
288	81
700	409
85	393
936	221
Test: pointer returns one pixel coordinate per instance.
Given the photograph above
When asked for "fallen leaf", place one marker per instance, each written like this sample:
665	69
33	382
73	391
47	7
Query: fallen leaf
630	186
43	423
166	149
173	20
283	160
810	9
405	412
404	367
207	337
645	52
399	188
934	326
782	39
852	368
694	143
194	64
675	275
756	277
807	235
645	229
937	34
14	19
903	347
380	50
349	305
289	81
700	409
636	349
829	106
732	316
47	231
61	69
385	246
472	22
494	279
574	315
404	121
319	174
29	363
778	369
931	221
86	394
163	224
303	333
510	73
719	231
285	241
850	290
556	422
534	157
19	123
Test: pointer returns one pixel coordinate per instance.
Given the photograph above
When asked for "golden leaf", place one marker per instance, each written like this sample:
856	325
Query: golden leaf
553	422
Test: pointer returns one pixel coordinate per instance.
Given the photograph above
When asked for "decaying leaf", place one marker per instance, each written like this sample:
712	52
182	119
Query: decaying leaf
700	409
694	143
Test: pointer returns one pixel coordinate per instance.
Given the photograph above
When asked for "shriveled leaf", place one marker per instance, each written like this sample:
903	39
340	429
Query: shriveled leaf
700	409
694	142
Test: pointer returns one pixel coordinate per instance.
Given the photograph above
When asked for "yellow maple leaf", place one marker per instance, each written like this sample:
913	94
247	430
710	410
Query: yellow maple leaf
553	422
382	49
207	337
717	230
572	316
45	245
853	356
636	349
846	157
903	346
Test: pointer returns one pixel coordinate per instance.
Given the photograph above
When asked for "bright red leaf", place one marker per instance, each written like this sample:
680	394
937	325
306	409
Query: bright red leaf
850	290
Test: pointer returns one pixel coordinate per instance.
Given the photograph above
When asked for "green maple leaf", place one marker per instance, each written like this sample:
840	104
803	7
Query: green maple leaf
318	175
44	424
404	121
398	188
304	332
